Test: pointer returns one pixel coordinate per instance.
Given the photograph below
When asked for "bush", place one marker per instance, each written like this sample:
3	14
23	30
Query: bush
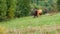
17	14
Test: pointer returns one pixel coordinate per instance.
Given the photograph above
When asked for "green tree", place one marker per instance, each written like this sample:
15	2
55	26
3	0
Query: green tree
3	9
11	8
51	5
23	6
58	4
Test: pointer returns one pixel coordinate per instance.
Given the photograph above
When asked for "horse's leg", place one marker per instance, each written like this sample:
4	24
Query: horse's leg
34	15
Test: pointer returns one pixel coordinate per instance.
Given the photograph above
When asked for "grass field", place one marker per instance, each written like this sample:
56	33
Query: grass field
29	21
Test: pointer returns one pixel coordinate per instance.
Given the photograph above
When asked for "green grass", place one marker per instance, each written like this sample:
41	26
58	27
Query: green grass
30	21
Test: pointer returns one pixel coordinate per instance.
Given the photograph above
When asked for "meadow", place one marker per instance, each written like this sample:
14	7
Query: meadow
27	22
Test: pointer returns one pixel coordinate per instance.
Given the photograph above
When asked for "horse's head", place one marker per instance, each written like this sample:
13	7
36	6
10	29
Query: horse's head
39	11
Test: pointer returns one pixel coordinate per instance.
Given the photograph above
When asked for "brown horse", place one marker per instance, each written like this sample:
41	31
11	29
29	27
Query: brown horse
37	12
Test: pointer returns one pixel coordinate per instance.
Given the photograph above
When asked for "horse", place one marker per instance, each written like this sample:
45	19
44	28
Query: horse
37	12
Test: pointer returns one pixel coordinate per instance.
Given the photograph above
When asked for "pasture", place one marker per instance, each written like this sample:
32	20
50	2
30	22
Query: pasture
27	22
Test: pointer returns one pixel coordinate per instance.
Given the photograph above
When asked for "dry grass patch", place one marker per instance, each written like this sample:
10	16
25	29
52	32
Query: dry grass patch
35	30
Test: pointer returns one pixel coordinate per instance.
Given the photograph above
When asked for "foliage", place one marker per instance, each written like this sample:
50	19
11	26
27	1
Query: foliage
58	5
49	4
24	7
19	8
12	8
3	9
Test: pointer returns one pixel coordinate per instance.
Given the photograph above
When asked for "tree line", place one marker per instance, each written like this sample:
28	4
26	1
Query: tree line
18	8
